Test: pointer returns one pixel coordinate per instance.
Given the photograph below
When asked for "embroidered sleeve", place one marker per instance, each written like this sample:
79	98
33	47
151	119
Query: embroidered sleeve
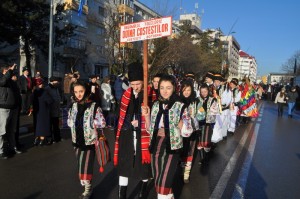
99	120
187	128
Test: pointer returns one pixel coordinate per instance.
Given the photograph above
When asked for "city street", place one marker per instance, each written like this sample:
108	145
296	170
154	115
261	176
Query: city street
261	160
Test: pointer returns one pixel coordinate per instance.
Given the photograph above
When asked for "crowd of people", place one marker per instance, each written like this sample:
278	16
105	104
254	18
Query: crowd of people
183	118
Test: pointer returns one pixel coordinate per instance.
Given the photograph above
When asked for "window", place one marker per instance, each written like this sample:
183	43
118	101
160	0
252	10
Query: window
101	11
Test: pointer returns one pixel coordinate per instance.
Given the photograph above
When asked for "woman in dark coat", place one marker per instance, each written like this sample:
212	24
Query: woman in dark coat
41	113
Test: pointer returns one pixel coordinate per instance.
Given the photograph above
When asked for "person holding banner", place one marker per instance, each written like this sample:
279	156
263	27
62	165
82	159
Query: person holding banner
131	154
167	124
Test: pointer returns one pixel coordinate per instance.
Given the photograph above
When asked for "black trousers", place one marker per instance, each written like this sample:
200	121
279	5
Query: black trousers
55	130
280	108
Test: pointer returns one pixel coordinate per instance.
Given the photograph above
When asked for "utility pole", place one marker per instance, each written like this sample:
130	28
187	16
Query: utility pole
50	41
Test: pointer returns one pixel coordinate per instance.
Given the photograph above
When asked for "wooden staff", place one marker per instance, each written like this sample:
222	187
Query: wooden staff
145	66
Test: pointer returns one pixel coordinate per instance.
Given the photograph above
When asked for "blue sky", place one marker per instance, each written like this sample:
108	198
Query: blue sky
268	30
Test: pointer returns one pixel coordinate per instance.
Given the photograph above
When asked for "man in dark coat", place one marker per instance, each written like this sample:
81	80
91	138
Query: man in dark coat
8	110
53	91
25	83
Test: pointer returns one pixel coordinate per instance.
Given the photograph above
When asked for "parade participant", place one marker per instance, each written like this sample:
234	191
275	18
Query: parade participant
234	106
223	95
84	117
169	123
187	96
131	154
153	89
209	81
191	76
248	107
281	101
291	98
207	110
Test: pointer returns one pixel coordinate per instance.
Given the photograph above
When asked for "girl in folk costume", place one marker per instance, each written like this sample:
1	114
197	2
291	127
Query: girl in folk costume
209	81
281	101
84	116
223	96
131	154
168	123
188	97
234	106
153	89
207	109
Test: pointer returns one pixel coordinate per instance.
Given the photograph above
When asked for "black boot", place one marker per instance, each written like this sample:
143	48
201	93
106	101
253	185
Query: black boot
122	192
142	194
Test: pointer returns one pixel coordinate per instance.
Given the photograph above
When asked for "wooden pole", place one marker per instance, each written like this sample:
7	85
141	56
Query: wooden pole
145	66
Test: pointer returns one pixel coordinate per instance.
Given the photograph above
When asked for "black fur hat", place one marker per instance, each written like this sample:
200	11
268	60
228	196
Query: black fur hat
135	72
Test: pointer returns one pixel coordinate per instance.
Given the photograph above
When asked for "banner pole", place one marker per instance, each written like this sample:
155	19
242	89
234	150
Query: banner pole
145	66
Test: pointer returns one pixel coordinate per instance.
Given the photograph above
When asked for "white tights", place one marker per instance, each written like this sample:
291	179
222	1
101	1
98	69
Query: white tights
123	181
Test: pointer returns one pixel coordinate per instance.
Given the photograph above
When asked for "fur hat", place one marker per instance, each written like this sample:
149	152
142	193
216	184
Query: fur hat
135	72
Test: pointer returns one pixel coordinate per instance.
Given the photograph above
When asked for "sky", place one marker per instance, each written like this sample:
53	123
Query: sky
268	30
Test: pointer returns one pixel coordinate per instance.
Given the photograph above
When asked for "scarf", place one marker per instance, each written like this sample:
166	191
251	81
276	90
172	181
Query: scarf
145	137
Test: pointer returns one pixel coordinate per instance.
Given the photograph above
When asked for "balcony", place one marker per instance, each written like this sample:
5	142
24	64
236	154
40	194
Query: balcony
74	5
125	9
74	48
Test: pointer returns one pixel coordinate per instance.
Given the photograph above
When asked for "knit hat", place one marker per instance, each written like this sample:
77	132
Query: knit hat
235	81
135	72
53	79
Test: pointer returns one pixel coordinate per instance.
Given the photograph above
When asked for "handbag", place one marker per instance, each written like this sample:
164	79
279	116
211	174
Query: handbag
102	150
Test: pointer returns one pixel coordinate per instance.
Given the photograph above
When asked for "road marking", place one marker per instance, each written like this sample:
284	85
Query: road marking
223	181
243	176
242	181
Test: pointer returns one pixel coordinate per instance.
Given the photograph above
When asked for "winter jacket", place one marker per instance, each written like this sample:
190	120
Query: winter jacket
55	95
292	96
107	97
7	96
23	84
118	89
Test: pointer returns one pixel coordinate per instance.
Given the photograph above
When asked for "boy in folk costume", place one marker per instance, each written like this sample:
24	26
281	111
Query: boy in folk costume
234	107
131	154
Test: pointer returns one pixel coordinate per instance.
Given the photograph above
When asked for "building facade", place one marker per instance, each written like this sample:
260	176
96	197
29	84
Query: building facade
247	66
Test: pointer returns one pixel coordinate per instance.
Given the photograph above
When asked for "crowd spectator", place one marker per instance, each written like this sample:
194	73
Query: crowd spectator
9	109
26	86
107	98
291	98
53	91
41	104
281	101
95	89
67	86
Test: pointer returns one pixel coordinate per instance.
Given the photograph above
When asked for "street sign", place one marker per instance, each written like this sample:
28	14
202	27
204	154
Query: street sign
150	29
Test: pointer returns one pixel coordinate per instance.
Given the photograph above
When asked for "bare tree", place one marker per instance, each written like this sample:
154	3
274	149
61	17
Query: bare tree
289	65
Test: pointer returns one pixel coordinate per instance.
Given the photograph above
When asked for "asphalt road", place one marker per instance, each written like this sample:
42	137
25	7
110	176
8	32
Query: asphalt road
261	160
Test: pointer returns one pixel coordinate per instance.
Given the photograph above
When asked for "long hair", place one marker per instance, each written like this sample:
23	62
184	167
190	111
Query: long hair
172	80
185	84
87	92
